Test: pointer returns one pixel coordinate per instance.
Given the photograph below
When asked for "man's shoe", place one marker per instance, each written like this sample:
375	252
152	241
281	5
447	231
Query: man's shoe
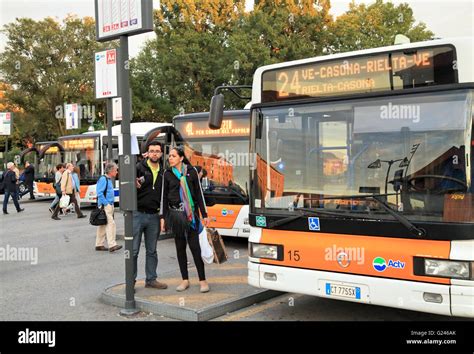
82	216
101	248
55	218
156	284
32	199
5	212
20	210
115	248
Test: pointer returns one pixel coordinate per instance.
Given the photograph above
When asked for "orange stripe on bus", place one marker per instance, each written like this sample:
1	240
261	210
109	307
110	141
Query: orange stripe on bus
223	216
319	251
44	187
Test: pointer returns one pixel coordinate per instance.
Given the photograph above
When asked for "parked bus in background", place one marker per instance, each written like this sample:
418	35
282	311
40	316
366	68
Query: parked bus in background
44	156
363	188
223	155
89	151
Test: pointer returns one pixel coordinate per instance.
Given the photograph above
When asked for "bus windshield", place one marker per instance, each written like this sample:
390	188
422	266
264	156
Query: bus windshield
413	151
232	166
47	165
83	152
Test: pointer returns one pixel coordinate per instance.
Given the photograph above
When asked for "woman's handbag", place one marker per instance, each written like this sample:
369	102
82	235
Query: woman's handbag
98	217
220	254
207	253
64	201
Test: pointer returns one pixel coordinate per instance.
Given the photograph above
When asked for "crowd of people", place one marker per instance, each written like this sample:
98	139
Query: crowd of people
167	199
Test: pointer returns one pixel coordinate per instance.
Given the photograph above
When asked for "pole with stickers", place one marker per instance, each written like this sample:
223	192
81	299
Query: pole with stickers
118	19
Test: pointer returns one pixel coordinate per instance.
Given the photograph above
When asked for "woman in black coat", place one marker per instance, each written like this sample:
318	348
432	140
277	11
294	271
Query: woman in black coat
182	200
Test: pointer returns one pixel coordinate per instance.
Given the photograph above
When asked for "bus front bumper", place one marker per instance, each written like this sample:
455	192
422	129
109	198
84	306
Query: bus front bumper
454	300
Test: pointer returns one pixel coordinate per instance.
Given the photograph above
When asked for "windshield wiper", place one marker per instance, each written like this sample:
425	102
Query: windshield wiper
419	232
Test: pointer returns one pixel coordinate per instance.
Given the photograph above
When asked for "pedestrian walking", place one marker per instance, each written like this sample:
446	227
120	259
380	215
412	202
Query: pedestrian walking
57	185
29	178
67	188
105	199
17	174
182	201
146	219
11	188
77	184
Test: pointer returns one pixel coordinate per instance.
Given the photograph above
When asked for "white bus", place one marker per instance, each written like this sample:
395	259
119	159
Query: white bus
88	151
363	189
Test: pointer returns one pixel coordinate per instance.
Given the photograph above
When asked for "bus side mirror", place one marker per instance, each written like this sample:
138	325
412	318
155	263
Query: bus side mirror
216	111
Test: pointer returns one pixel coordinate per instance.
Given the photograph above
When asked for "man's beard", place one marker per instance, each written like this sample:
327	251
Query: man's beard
154	160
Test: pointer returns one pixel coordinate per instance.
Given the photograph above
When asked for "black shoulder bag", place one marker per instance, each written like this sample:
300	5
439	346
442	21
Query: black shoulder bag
98	216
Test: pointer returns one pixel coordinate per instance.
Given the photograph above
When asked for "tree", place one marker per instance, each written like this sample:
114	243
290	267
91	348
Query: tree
368	26
47	64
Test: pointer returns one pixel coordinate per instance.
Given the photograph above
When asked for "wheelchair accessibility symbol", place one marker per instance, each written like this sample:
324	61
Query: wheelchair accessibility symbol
313	224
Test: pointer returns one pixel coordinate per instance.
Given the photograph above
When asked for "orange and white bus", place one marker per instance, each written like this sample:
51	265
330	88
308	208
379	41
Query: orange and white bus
224	155
363	189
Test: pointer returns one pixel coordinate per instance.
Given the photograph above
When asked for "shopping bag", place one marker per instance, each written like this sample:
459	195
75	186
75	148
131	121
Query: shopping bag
64	201
220	254
207	253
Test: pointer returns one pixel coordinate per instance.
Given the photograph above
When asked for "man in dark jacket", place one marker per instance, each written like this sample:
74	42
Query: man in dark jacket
29	178
9	184
146	219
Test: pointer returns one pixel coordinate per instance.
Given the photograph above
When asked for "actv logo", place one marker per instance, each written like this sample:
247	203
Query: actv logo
380	264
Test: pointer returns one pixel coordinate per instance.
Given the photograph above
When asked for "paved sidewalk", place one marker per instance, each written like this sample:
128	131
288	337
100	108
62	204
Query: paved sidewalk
229	292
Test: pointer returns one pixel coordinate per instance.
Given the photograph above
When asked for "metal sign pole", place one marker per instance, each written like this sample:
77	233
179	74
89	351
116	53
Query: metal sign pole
128	192
5	159
109	129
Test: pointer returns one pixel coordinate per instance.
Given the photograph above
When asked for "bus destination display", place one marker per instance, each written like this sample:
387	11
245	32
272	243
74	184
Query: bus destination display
387	71
199	129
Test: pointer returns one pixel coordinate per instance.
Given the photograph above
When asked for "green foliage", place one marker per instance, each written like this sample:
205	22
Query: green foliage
47	64
368	26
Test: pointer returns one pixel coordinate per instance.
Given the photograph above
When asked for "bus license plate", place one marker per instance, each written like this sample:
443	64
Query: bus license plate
352	292
46	194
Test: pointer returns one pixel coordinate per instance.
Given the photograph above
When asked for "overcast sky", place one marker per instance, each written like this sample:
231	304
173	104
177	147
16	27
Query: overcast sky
446	18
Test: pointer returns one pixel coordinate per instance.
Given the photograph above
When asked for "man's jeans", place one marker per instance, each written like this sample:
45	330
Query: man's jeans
7	195
149	225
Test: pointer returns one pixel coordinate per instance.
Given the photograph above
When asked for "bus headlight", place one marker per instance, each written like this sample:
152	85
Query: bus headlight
448	269
259	250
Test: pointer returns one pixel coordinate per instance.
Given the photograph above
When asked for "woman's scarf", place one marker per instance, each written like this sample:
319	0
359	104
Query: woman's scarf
185	195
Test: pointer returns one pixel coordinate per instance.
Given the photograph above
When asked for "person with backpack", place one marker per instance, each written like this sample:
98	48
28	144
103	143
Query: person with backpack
10	185
105	199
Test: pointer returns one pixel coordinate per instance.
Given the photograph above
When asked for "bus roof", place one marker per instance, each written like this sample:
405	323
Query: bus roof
139	129
464	53
205	115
